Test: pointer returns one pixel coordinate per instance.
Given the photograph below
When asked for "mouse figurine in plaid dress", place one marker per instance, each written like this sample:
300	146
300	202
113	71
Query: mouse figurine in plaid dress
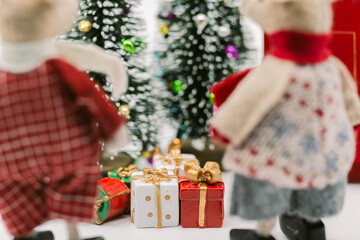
53	119
288	124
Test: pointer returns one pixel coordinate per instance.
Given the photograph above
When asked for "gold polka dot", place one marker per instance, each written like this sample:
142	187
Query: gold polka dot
150	214
148	198
168	216
167	197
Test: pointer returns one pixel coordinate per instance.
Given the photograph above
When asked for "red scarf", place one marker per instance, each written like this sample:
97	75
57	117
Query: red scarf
301	48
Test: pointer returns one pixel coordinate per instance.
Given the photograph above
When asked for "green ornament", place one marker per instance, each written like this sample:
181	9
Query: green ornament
212	98
128	45
177	86
141	44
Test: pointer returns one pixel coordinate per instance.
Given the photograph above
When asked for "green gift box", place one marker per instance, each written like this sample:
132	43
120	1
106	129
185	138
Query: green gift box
124	174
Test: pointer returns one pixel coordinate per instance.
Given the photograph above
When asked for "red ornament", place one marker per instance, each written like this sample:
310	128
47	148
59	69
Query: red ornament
190	201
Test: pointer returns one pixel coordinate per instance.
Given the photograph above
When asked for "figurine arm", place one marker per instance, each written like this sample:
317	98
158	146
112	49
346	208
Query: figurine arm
92	58
91	96
350	92
252	99
223	89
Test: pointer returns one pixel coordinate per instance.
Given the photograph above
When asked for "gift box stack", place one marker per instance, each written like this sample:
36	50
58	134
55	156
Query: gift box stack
176	191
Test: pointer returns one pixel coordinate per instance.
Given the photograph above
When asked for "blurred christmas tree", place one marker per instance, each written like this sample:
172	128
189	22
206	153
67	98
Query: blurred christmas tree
205	44
114	26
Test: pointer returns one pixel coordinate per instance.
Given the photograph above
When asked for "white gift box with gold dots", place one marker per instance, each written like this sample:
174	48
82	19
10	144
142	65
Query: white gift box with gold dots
146	209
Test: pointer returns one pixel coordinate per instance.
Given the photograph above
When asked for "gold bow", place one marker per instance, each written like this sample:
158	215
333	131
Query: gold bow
168	160
126	172
155	177
177	159
210	174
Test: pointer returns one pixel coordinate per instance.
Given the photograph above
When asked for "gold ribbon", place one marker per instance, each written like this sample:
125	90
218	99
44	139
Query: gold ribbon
126	172
174	159
155	177
202	204
210	174
104	199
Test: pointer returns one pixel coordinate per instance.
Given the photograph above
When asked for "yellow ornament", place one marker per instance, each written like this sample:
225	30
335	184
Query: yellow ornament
146	154
84	25
124	110
164	29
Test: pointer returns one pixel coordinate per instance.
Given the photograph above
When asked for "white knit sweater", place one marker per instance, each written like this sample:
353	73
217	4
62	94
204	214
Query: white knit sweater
306	139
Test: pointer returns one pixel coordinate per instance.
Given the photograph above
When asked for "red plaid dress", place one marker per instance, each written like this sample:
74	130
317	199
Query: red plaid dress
51	122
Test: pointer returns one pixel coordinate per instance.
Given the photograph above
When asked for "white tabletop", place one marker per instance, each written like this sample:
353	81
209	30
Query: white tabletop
345	226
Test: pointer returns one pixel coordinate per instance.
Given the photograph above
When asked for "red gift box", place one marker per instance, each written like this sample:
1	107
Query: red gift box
345	43
190	201
113	199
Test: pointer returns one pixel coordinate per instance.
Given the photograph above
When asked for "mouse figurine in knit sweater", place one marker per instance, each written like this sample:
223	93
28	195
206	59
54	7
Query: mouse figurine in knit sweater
288	124
53	119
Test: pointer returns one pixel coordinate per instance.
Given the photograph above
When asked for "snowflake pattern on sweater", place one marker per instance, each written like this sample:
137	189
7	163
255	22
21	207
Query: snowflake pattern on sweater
306	140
